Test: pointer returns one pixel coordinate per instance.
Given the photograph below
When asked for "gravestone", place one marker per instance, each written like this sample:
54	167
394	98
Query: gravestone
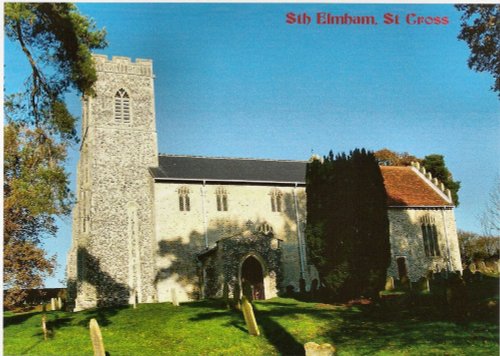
423	284
96	337
175	303
246	306
472	267
389	283
314	349
53	303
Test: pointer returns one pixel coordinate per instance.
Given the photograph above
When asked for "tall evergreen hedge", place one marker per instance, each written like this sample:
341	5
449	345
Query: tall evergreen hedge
347	225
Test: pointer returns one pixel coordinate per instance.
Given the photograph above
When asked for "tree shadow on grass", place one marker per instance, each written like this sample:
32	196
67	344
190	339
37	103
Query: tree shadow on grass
10	320
404	329
284	342
101	315
363	329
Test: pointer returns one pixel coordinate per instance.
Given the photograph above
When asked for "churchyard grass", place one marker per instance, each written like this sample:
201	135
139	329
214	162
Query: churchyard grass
208	328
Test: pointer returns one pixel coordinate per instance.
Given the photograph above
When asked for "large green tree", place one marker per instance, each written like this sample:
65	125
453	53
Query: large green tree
436	165
347	224
57	41
480	29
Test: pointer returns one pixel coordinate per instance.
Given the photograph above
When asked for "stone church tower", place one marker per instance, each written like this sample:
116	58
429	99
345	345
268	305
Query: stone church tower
112	258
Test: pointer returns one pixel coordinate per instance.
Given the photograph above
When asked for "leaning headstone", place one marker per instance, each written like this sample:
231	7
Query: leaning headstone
314	349
389	283
253	328
44	326
52	303
59	303
175	303
96	337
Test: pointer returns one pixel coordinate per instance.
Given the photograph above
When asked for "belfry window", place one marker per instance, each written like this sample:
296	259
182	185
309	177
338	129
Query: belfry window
430	237
184	203
221	194
276	200
122	106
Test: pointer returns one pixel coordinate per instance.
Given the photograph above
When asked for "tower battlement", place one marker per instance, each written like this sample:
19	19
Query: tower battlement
125	65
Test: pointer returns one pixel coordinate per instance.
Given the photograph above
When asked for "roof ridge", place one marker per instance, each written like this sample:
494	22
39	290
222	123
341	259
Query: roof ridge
384	167
233	158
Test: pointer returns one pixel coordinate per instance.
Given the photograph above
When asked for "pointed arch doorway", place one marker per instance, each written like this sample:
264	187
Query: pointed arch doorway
252	273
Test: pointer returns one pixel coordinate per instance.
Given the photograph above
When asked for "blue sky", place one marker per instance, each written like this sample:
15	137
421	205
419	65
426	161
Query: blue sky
235	80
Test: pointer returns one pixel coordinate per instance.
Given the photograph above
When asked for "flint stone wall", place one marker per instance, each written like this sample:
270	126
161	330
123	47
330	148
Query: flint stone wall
223	263
407	241
181	234
114	239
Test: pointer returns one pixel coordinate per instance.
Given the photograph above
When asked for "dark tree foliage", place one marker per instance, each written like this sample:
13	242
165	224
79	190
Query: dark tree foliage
480	28
436	166
57	40
347	224
477	247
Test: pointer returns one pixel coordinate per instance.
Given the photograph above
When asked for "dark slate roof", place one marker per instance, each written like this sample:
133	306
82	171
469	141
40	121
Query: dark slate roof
405	188
229	169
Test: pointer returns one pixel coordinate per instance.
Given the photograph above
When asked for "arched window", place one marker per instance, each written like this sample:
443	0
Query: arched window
184	203
276	200
430	236
265	229
122	106
221	194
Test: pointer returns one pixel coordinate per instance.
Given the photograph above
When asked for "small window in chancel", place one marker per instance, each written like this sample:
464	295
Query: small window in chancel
430	237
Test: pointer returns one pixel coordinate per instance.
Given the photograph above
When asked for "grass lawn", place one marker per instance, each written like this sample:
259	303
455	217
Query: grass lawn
207	328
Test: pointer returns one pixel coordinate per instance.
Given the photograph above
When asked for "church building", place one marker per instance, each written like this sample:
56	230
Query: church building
150	227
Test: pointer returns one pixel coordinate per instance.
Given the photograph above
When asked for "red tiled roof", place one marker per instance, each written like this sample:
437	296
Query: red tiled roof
405	187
